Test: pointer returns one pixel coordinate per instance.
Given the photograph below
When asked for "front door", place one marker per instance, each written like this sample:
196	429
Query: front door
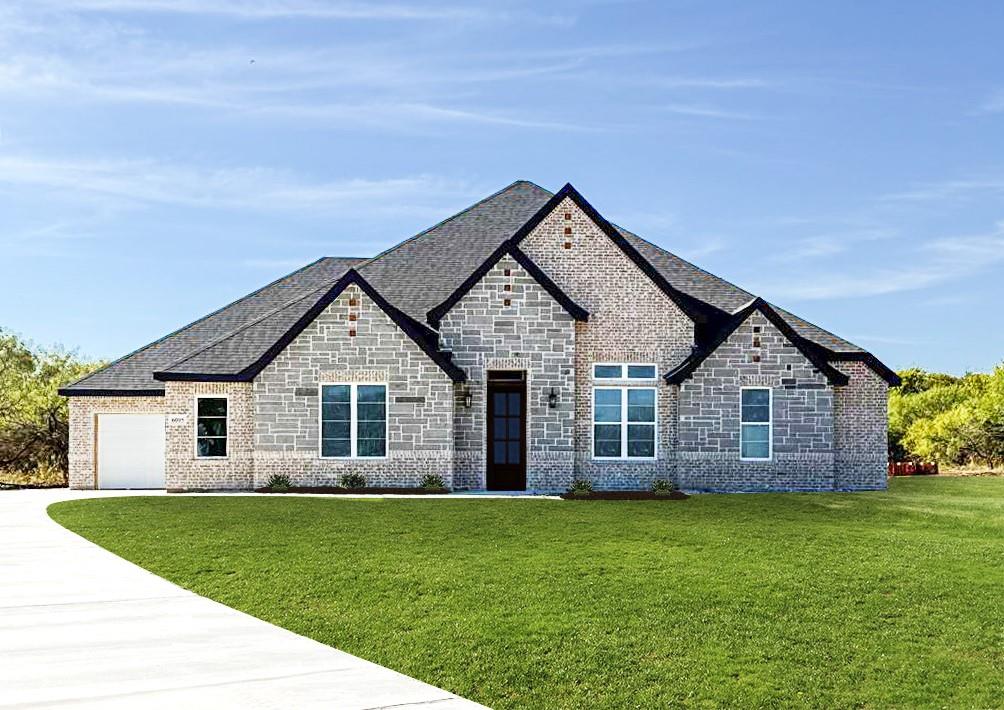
506	470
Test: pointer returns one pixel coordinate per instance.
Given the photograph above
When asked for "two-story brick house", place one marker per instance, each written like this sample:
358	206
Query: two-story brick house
520	344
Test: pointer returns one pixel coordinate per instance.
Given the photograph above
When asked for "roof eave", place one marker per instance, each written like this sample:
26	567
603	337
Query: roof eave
108	392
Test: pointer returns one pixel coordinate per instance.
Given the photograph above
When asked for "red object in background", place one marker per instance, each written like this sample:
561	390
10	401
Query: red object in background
911	468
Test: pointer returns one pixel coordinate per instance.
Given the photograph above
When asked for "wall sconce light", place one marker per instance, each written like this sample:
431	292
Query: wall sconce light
468	399
552	399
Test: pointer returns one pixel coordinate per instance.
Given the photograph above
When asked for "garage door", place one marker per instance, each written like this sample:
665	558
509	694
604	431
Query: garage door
130	451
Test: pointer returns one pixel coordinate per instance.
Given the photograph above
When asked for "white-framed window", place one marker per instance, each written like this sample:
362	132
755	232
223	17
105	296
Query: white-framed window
756	424
624	371
212	421
353	421
624	422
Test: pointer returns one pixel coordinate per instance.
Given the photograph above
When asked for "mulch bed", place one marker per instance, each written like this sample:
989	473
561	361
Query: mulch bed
625	495
339	490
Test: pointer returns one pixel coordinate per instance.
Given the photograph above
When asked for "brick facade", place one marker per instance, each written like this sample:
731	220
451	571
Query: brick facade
83	430
860	429
630	320
186	471
824	437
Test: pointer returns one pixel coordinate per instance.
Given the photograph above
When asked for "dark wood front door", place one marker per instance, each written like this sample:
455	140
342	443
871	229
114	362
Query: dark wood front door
506	470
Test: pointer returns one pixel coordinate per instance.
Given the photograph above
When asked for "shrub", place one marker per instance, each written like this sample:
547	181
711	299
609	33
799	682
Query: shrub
431	480
662	487
580	487
354	480
278	482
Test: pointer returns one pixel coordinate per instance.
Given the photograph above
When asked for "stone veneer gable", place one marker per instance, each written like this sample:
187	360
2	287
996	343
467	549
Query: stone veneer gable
419	394
802	415
532	333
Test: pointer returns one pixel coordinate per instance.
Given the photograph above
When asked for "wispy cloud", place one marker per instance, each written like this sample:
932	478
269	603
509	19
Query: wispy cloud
993	103
310	10
258	189
954	190
706	111
826	245
933	263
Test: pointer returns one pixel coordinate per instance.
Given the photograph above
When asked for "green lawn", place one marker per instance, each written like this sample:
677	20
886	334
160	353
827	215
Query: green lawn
838	600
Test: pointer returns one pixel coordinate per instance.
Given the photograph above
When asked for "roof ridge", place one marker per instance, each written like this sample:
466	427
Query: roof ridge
198	320
452	217
265	316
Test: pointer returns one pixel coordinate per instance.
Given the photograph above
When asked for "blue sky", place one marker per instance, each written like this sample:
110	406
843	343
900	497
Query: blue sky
159	158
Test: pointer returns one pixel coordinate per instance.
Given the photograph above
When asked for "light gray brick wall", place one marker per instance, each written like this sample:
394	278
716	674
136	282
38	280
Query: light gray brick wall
802	414
630	320
861	429
83	418
185	471
534	334
419	408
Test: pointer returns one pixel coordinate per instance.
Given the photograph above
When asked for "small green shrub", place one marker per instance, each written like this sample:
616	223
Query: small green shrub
278	482
431	480
580	487
354	480
662	487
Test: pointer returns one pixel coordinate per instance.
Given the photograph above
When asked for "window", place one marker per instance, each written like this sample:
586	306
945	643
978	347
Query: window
211	427
755	425
622	371
353	421
624	422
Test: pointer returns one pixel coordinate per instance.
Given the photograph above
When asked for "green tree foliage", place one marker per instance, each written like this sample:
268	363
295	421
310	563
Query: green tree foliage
952	420
34	423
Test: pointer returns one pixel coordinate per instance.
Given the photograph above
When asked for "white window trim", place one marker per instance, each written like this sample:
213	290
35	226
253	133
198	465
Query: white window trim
623	423
195	427
624	370
769	422
353	422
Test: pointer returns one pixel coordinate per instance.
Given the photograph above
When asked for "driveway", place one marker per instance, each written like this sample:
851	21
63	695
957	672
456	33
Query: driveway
82	628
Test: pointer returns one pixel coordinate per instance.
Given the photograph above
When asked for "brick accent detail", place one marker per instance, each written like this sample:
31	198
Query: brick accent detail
802	415
83	413
419	408
533	333
861	429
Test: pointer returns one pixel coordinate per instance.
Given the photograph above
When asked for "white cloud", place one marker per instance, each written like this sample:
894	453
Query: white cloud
946	190
704	111
135	182
305	9
993	103
933	263
825	245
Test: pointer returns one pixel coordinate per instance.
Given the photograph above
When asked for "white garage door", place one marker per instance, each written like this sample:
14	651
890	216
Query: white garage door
130	451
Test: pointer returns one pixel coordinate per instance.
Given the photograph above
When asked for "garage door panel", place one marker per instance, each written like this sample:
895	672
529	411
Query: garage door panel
131	451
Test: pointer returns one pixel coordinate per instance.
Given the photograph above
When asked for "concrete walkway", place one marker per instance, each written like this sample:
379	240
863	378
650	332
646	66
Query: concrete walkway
82	628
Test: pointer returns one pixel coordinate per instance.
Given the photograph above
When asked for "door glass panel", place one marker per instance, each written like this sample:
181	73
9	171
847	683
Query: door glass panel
513	452
498	404
514	404
498	452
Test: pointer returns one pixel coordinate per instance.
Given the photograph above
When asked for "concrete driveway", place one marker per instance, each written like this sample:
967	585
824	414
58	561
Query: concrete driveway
82	628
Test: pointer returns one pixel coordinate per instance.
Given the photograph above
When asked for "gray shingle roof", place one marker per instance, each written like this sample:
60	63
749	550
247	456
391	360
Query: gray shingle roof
414	276
135	370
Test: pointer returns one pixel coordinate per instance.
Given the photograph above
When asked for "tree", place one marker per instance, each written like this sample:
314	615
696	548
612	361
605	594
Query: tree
34	419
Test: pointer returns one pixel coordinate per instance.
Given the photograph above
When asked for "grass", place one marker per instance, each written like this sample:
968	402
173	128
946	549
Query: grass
889	599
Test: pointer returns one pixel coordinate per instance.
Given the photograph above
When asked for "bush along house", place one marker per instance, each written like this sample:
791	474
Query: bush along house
521	344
